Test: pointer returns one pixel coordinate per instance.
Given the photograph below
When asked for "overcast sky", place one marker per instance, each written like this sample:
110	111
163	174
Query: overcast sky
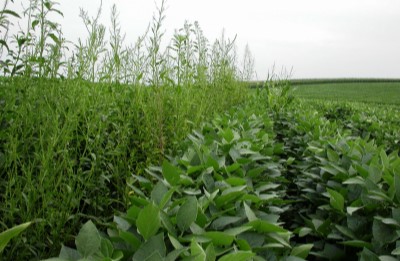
318	38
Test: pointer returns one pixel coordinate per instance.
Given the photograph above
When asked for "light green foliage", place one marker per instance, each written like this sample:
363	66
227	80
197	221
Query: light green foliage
7	235
371	92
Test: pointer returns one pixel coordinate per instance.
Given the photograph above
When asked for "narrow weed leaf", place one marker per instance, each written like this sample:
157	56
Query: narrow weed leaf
7	235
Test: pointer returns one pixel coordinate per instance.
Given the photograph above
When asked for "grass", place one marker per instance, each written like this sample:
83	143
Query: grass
68	149
371	92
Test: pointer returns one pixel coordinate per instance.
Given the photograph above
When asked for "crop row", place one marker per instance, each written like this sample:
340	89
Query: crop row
261	184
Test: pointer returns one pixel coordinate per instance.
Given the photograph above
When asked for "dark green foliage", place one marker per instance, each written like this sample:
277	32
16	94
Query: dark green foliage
67	149
225	204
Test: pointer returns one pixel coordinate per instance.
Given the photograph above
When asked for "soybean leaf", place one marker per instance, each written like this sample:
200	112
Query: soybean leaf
171	173
396	252
219	238
152	249
174	255
383	233
210	253
130	238
265	227
223	221
148	221
197	251
88	240
69	253
336	200
187	213
249	213
238	256
158	192
368	255
302	250
357	243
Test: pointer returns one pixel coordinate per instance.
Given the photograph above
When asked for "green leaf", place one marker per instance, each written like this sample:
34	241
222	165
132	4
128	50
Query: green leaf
228	135
235	181
175	243
223	221
346	231
67	253
397	186
265	227
357	243
384	159
7	235
130	238
4	43
336	200
383	233
187	213
210	253
238	256
396	252
174	255
171	173
88	240
219	238
237	230
197	251
302	250
152	249
166	198
387	258
158	192
106	248
351	210
55	38
357	180
148	221
368	255
304	231
332	155
249	213
35	23
9	12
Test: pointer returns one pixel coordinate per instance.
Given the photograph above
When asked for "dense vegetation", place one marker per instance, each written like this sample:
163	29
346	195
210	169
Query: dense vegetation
76	120
275	179
370	92
136	153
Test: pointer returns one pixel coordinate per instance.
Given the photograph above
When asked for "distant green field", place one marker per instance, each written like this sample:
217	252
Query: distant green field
375	92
